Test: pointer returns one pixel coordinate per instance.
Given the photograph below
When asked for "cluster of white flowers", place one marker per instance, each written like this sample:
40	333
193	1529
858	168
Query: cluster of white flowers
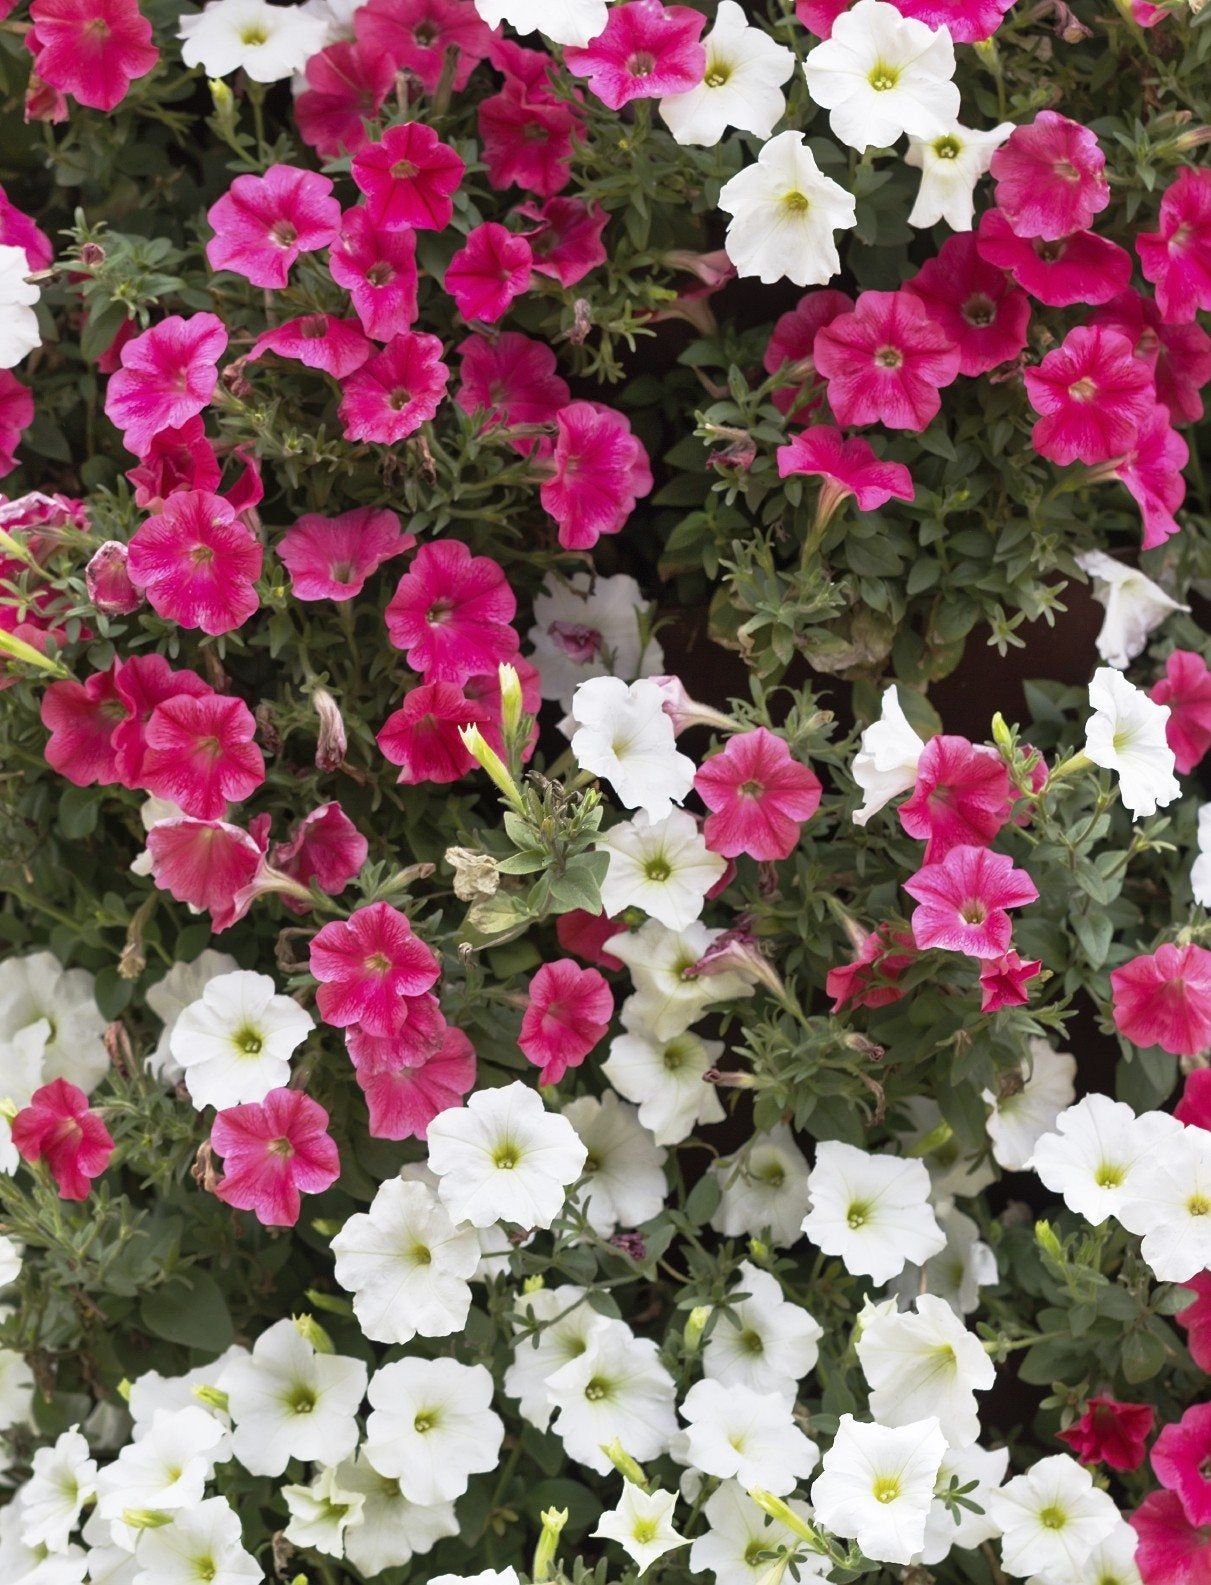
50	1027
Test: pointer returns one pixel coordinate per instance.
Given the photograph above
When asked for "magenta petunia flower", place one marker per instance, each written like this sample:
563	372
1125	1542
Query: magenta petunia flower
91	49
790	347
18	230
758	795
409	178
1171	1550
365	964
568	1013
1003	981
513	379
330	558
1176	257
596	470
1111	1433
58	1128
975	303
262	224
886	362
208	864
319	341
377	267
326	848
347	84
417	35
1195	1320
489	273
648	49
1194	1106
142	682
403	1101
963	900
1186	689
421	737
1179	356
872	978
847	467
528	139
16	415
81	718
167	375
108	582
1092	395
419	1031
197	563
1050	177
175	459
1163	998
962	797
1082	268
200	754
451	611
967	21
1181	1460
274	1151
818	16
396	391
585	935
1152	473
566	240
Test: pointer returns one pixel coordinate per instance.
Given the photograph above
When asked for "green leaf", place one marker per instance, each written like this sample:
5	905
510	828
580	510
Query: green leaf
189	1310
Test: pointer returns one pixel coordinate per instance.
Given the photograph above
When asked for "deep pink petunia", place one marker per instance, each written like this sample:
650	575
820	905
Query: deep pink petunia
91	49
417	36
1186	689
262	224
403	1101
274	1151
451	611
596	470
142	682
967	21
319	341
18	230
886	362
365	964
409	178
1111	1433
377	267
108	581
513	379
1163	998
1195	1320
818	16
197	563
419	1030
962	797
175	459
648	49
586	934
1194	1107
168	374
1092	394
396	391
325	849
1050	177
421	737
1171	1550
1176	257
347	84
81	717
1179	356
58	1128
16	415
1082	268
1181	1461
208	864
1003	981
975	303
790	348
872	978
1152	472
489	273
759	797
566	239
200	754
963	901
569	1011
330	558
528	139
847	468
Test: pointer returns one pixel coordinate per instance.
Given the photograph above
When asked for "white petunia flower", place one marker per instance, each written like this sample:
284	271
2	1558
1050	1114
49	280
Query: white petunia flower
886	762
738	1536
625	737
666	1078
766	1343
1200	870
784	212
19	333
10	1156
742	88
1025	1112
871	1211
926	1364
62	1482
502	1157
881	74
235	1042
565	1322
957	1272
956	1526
642	1524
10	1261
1170	1204
321	1513
587	626
152	1392
16	1389
668	999
876	1486
488	1576
1050	1519
1096	1154
763	1189
562	21
738	1434
170	996
407	1265
1111	1562
268	42
1135	607
287	1401
114	1565
624	1168
432	1426
951	163
616	1389
50	1027
1126	735
663	867
165	1470
391	1530
204	1546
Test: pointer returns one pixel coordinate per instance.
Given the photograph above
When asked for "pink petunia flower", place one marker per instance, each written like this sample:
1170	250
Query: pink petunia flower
451	611
325	848
330	558
274	1151
759	797
197	563
648	49
1195	1320
81	717
790	347
489	273
377	267
175	459
108	582
569	1011
397	391
18	230
16	415
421	737
409	178
963	901
1179	356
1152	473
513	379
585	935
962	797
403	1101
1171	1551
365	964
886	362
871	979
262	224
1163	998
1111	1433
1186	689
417	35
142	682
566	240
1194	1107
847	467
419	1030
347	85
1050	177
58	1128
528	139
1082	268
318	341
1181	1459
1003	981
168	374
1176	258
596	471
91	49
208	864
967	21
975	303
200	754
1092	395
818	16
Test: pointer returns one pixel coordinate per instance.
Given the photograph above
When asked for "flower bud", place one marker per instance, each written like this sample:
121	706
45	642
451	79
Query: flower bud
553	1521
626	1466
482	752
1044	1237
695	1326
510	701
145	1518
212	1398
333	741
310	1330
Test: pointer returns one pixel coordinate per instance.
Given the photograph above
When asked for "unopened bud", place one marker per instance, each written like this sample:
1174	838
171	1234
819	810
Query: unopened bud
221	95
1001	735
92	255
511	705
485	756
1044	1237
553	1521
533	1284
310	1330
625	1464
212	1398
695	1326
786	1515
145	1518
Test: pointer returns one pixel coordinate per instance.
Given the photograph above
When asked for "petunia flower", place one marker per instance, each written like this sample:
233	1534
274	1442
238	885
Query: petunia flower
785	212
646	50
1081	268
489	272
1185	690
1092	395
1179	356
167	375
81	718
576	22
347	85
377	267
594	471
199	754
91	49
402	1102
409	178
887	361
419	36
267	42
847	467
568	1012
58	1128
274	1151
1111	1433
365	964
974	303
263	224
422	736
951	163
759	797
396	391
963	901
788	353
566	239
1126	734
175	459
1135	608
1176	258
962	797
208	864
1050	177
318	341
197	563
1163	998
741	86
330	558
